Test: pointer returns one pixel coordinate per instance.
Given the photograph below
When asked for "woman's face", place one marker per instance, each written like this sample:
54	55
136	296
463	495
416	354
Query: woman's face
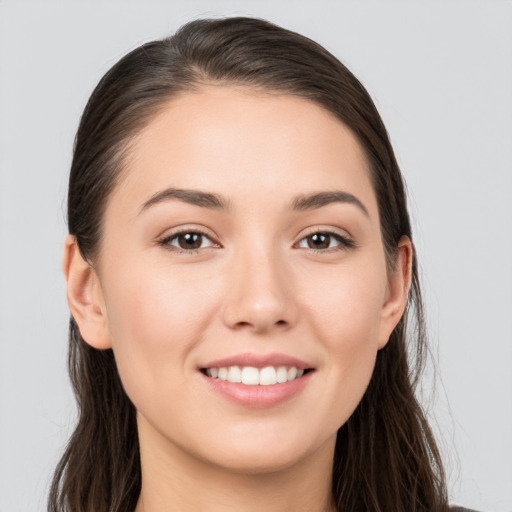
244	233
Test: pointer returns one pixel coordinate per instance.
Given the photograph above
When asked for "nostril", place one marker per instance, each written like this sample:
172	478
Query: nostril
242	324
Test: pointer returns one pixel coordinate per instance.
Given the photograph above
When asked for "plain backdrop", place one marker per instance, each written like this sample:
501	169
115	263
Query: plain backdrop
441	76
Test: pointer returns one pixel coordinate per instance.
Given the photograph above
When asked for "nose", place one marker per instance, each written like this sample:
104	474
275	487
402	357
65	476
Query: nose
260	294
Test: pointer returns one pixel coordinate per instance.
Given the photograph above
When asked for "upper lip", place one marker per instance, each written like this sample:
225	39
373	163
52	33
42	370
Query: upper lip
259	361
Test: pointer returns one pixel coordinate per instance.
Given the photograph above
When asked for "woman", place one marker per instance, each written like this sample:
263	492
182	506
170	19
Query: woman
242	283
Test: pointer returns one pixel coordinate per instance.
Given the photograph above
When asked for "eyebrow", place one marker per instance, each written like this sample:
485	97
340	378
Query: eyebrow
217	202
319	199
194	197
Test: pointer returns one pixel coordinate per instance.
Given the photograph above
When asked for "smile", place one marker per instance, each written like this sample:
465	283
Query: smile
257	381
252	376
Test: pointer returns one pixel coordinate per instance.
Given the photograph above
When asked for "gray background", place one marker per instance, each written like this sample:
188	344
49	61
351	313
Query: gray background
441	75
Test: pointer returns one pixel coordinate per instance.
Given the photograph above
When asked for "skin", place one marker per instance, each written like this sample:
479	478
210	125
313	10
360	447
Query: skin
254	286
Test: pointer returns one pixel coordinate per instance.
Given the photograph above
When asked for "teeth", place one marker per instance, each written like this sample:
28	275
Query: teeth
234	374
292	373
282	374
268	376
252	376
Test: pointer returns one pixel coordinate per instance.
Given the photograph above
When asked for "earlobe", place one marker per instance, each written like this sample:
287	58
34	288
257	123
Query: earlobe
85	297
398	291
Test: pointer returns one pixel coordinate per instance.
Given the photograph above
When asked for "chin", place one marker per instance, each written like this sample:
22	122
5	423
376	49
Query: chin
260	462
266	454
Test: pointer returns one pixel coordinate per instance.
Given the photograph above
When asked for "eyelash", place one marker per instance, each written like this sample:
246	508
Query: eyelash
166	242
344	241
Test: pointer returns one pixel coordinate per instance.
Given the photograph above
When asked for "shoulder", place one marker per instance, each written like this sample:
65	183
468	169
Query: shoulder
461	509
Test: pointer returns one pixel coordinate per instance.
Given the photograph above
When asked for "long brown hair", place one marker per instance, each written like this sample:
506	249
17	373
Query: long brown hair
386	458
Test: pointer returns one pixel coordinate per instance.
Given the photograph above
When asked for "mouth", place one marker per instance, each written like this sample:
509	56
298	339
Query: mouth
254	376
257	380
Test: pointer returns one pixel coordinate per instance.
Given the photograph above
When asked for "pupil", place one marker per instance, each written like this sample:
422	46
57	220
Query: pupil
190	241
319	241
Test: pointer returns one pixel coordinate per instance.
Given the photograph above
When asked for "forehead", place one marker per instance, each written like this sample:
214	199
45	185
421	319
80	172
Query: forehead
245	144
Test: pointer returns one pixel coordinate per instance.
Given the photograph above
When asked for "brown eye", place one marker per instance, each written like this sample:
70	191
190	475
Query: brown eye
187	241
190	240
319	241
325	240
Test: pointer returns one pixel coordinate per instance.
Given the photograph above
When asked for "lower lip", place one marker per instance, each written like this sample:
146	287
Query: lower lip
258	397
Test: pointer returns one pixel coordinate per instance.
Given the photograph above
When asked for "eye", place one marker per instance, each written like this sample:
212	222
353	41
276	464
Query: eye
324	240
187	241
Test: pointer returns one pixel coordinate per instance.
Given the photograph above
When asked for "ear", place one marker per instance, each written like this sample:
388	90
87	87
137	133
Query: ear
85	297
397	292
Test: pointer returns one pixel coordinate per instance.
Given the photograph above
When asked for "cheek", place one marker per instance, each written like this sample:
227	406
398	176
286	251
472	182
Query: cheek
346	319
156	316
346	305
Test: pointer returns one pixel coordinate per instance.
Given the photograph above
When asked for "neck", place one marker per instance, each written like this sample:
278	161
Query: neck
173	480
